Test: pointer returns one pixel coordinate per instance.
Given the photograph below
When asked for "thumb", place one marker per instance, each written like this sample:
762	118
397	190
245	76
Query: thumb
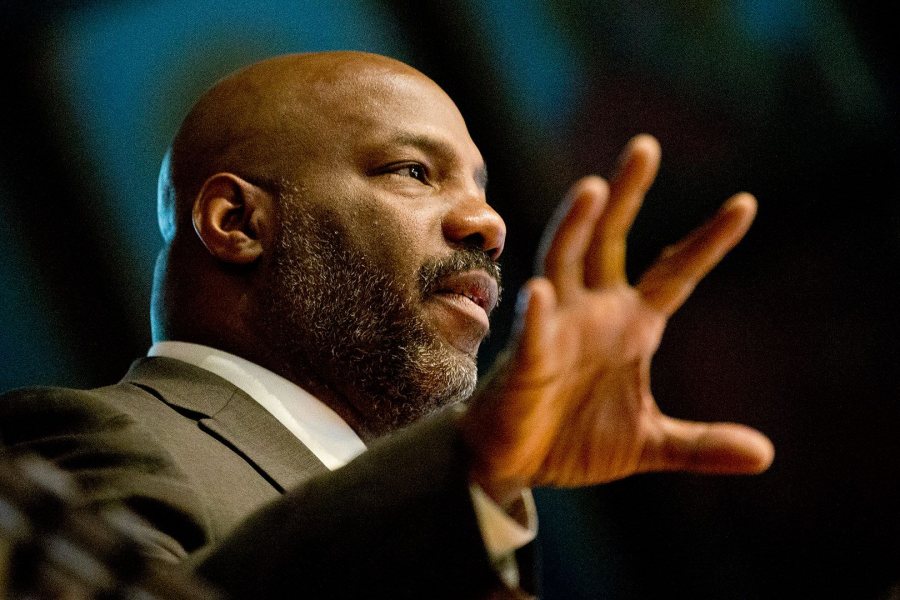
715	448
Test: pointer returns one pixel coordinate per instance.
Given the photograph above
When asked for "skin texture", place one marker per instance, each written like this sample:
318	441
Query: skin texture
366	161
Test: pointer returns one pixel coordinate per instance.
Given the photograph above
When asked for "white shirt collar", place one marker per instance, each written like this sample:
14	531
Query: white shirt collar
319	428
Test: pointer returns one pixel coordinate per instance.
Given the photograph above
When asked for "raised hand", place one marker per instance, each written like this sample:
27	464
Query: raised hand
569	402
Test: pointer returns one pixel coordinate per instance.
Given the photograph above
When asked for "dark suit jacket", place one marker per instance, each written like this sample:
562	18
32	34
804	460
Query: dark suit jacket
218	478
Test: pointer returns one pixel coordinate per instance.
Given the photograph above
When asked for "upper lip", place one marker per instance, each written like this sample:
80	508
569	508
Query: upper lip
477	286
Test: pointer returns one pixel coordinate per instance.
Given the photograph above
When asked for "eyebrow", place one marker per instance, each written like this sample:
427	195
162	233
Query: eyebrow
439	147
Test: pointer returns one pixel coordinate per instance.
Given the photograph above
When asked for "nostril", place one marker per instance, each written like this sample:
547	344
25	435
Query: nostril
475	240
478	241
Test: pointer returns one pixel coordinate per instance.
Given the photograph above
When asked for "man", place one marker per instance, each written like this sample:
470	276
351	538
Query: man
327	276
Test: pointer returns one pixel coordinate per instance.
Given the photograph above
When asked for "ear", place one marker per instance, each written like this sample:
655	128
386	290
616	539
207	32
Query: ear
231	217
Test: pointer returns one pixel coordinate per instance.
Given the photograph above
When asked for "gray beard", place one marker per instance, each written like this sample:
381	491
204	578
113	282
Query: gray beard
354	328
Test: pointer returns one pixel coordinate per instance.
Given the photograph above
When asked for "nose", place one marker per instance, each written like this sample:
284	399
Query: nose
472	223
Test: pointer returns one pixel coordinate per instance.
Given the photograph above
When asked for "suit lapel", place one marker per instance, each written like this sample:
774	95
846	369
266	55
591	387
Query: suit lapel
231	416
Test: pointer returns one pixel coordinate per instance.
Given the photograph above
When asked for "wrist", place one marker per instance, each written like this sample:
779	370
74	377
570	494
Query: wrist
505	491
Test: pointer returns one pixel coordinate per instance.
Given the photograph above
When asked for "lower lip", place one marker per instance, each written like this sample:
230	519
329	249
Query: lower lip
463	321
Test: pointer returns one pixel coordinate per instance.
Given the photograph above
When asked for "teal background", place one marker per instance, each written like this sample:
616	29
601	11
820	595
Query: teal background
795	333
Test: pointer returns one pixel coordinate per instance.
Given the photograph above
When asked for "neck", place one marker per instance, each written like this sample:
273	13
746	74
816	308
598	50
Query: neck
324	392
296	371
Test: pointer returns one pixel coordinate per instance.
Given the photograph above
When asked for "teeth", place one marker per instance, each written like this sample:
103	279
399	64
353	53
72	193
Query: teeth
469	297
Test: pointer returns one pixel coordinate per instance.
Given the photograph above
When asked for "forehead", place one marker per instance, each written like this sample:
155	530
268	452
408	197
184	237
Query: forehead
378	106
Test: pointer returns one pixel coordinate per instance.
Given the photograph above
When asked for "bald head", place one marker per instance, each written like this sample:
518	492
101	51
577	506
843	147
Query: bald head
258	124
260	121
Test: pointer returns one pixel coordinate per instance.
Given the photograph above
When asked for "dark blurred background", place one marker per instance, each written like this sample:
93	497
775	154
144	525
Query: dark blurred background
795	333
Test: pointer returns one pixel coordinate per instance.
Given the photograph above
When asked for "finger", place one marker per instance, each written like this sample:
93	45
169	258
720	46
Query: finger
669	282
638	165
564	249
715	448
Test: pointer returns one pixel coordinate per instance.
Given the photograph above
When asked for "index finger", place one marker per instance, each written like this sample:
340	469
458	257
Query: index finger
564	252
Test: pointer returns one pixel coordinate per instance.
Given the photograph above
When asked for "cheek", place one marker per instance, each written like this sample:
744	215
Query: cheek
400	240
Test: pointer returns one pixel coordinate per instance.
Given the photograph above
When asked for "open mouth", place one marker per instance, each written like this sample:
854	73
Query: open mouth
476	287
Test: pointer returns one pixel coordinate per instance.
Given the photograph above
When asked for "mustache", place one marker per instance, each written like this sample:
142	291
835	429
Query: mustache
459	261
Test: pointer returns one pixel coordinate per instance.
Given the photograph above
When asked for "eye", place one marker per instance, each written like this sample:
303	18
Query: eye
413	170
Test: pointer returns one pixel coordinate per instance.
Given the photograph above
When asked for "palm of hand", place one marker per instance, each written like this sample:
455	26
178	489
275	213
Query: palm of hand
569	403
591	387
